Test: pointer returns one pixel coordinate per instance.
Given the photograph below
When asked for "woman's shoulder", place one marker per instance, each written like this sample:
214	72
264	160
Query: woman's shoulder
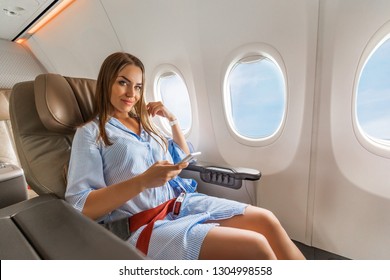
90	127
93	124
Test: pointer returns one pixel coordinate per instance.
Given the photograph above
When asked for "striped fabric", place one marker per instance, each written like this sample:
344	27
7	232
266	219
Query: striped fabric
94	165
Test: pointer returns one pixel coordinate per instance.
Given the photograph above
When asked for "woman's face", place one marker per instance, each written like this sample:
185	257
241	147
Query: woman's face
126	90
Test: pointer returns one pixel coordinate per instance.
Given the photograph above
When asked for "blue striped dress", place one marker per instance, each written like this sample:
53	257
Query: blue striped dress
93	166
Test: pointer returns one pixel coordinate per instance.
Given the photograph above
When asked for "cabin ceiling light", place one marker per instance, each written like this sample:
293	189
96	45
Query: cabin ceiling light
53	10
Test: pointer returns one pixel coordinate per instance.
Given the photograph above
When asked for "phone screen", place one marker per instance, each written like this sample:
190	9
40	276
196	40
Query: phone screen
190	157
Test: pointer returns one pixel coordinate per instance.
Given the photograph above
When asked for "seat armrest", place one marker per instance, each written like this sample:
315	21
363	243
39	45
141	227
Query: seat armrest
13	186
58	231
25	205
227	176
46	227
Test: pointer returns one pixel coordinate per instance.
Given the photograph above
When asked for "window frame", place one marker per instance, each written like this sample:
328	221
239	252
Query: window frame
242	53
373	145
159	72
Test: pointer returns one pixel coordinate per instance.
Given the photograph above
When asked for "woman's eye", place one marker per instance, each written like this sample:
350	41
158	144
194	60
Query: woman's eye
123	83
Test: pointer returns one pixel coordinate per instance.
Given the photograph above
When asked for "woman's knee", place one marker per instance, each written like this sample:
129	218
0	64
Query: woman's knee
271	218
265	219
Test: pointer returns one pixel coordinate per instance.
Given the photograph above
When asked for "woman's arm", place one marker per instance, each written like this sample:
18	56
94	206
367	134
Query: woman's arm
158	108
104	200
86	186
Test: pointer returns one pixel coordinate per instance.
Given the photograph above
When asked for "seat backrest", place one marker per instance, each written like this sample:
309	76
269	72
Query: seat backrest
7	147
44	115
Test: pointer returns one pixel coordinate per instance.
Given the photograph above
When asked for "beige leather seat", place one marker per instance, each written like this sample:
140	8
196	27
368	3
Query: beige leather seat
44	115
13	186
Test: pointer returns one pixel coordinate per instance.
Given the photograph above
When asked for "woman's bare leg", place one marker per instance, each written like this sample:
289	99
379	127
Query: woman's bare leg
264	222
232	243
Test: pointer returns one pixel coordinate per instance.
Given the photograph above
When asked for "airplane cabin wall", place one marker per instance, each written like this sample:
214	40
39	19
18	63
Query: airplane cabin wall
352	184
290	29
324	187
17	64
76	42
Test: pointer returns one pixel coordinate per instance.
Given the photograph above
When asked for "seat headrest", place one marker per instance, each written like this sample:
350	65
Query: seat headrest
4	105
63	103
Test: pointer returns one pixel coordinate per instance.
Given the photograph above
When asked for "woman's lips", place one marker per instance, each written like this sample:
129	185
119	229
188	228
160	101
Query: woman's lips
128	102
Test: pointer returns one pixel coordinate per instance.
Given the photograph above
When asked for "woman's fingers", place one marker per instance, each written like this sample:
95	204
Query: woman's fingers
158	108
161	172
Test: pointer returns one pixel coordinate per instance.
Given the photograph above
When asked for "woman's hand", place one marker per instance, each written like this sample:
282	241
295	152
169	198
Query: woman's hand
160	173
102	201
158	108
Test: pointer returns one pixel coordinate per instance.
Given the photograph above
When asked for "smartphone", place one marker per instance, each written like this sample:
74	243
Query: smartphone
190	157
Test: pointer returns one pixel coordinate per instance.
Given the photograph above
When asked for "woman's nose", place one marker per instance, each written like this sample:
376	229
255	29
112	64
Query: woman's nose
130	92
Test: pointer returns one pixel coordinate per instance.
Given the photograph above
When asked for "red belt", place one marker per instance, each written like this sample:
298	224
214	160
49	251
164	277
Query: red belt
149	217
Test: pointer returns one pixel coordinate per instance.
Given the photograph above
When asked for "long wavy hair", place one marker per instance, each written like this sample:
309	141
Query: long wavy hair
108	73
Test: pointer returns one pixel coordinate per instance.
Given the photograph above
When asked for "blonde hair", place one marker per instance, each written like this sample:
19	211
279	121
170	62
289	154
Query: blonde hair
108	73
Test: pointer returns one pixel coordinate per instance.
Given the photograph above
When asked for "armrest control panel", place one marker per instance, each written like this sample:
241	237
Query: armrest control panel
224	176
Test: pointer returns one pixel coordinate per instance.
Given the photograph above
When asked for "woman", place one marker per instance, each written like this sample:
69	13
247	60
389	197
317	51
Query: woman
121	165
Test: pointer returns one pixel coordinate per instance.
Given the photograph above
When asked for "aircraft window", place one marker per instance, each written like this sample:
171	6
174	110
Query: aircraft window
373	95
255	98
173	92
